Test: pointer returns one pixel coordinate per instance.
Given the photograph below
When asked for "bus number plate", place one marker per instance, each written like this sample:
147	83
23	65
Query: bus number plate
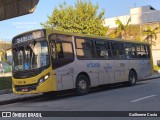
24	89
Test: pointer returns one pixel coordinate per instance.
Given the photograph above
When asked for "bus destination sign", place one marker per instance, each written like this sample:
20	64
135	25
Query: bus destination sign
24	38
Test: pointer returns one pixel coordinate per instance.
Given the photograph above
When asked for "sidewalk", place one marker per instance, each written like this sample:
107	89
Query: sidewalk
5	74
156	75
7	97
12	98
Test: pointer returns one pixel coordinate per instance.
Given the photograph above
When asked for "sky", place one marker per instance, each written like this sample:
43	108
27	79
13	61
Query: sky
12	27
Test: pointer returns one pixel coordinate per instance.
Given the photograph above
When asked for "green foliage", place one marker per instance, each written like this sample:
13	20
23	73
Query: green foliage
138	38
134	30
4	45
151	34
156	68
112	34
82	18
3	56
122	30
5	83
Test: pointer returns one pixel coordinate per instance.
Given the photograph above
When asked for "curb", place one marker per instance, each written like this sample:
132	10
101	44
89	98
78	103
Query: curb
16	100
150	78
5	91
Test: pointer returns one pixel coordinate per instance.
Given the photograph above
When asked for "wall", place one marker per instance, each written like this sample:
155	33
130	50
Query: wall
9	55
140	15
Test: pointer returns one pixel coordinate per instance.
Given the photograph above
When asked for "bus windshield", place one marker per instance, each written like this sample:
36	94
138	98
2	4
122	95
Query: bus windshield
32	55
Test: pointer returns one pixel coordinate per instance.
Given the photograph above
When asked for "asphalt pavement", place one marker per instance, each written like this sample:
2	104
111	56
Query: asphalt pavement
6	96
144	96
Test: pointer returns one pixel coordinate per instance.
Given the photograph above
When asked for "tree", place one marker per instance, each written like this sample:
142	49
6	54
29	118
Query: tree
151	34
122	30
81	18
2	55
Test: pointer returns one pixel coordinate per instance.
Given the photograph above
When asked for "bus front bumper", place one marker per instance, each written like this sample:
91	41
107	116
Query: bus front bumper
47	86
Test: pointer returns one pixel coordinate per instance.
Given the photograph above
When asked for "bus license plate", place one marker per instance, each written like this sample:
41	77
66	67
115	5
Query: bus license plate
24	89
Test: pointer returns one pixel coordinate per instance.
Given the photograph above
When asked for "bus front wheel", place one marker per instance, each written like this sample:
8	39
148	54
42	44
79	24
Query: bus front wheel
82	85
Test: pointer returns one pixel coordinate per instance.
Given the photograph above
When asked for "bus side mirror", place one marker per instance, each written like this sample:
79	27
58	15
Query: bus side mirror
58	47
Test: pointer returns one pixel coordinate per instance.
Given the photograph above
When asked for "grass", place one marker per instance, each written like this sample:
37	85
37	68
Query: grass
5	83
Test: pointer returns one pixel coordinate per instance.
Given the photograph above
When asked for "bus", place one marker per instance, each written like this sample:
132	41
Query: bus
47	61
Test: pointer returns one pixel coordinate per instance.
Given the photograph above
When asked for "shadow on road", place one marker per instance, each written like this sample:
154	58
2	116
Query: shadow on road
71	93
66	94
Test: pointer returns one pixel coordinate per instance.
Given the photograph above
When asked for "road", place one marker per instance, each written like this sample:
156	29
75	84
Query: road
145	96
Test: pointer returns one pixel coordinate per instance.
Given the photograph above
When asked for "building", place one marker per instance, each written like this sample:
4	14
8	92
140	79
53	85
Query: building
9	55
139	15
4	46
142	16
2	55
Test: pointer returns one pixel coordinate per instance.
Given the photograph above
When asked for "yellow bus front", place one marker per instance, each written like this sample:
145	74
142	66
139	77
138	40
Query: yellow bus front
32	69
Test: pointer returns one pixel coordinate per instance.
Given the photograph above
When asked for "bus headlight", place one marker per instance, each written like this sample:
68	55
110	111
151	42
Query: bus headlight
42	79
46	77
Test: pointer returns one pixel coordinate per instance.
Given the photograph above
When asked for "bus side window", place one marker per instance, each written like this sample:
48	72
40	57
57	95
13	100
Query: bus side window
147	49
108	50
61	50
84	48
53	50
100	49
142	51
118	50
130	50
103	49
56	51
67	50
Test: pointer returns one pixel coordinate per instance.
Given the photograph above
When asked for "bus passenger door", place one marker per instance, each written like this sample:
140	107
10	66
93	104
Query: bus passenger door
62	62
67	78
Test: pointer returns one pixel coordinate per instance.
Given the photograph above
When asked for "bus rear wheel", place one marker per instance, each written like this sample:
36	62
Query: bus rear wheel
132	78
82	85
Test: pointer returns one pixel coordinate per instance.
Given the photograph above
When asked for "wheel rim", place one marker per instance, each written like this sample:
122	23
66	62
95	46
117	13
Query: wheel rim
132	79
82	84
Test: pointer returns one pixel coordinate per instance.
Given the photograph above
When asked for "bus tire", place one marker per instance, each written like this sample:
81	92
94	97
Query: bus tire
82	85
132	77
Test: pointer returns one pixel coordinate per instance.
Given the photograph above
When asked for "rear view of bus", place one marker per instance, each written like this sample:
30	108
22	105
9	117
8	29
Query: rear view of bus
30	58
